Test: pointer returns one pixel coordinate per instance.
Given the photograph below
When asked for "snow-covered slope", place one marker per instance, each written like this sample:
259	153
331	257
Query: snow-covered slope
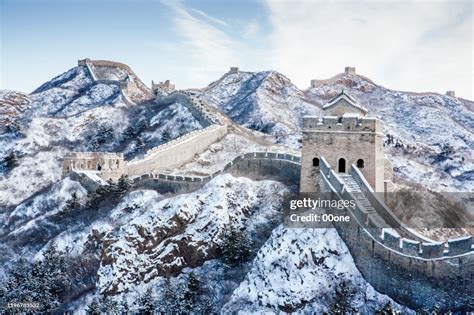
72	113
133	239
431	134
12	104
264	101
299	271
182	231
434	132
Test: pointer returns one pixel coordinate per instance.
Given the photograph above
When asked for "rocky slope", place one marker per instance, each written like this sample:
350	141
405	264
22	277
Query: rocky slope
71	113
299	271
264	101
130	239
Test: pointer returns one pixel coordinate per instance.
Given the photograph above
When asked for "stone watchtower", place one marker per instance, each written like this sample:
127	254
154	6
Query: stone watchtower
343	136
162	87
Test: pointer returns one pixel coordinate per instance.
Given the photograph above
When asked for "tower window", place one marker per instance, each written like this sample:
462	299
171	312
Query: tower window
316	162
360	163
341	165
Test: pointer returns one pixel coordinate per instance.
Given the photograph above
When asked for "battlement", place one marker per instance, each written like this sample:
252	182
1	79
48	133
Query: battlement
425	250
350	70
204	114
375	226
89	155
108	165
178	151
170	144
347	123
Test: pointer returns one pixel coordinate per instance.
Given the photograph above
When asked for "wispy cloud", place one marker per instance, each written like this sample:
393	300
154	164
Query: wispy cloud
206	51
251	29
209	18
409	45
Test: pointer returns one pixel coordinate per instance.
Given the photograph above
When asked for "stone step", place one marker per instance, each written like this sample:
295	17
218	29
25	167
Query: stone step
352	187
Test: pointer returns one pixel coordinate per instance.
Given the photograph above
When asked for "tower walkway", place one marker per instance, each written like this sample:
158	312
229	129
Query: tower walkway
353	188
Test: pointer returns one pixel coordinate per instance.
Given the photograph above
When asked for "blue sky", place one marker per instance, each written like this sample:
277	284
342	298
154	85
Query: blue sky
411	45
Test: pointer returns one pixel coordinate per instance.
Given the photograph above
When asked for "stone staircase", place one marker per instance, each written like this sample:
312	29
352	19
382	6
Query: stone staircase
352	187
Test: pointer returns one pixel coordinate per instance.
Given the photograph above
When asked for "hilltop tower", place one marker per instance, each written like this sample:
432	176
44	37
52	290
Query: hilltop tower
343	136
162	87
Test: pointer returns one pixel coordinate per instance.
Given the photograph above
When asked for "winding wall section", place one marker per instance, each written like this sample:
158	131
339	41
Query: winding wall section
415	273
281	167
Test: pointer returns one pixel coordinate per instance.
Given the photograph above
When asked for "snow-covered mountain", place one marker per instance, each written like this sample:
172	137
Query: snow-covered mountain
431	135
72	113
265	101
119	241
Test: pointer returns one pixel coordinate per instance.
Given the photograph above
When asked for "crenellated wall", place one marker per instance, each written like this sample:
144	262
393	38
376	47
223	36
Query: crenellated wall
204	116
281	167
415	272
99	71
176	152
345	123
168	155
349	138
106	165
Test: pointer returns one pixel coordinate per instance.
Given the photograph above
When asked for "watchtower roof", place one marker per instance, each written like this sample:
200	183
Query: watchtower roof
346	97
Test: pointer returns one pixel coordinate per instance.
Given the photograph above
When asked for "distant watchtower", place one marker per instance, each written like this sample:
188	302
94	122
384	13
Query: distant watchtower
350	70
344	136
162	87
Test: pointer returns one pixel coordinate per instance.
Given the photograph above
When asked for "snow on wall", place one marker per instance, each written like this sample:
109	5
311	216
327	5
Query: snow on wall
177	151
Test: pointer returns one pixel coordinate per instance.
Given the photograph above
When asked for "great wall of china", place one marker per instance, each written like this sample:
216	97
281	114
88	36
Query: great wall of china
394	259
132	89
419	272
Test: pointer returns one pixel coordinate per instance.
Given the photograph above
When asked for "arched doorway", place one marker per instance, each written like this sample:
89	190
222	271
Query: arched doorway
360	163
315	162
99	168
341	165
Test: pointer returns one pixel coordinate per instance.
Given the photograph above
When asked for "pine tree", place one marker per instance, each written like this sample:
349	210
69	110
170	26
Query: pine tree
103	134
139	143
108	305
129	133
11	161
166	135
206	305
147	303
124	307
54	276
386	310
236	247
93	308
44	281
141	125
124	184
344	297
190	294
168	299
72	203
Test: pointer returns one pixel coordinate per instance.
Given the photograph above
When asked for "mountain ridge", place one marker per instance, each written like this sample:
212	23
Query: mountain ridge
37	208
